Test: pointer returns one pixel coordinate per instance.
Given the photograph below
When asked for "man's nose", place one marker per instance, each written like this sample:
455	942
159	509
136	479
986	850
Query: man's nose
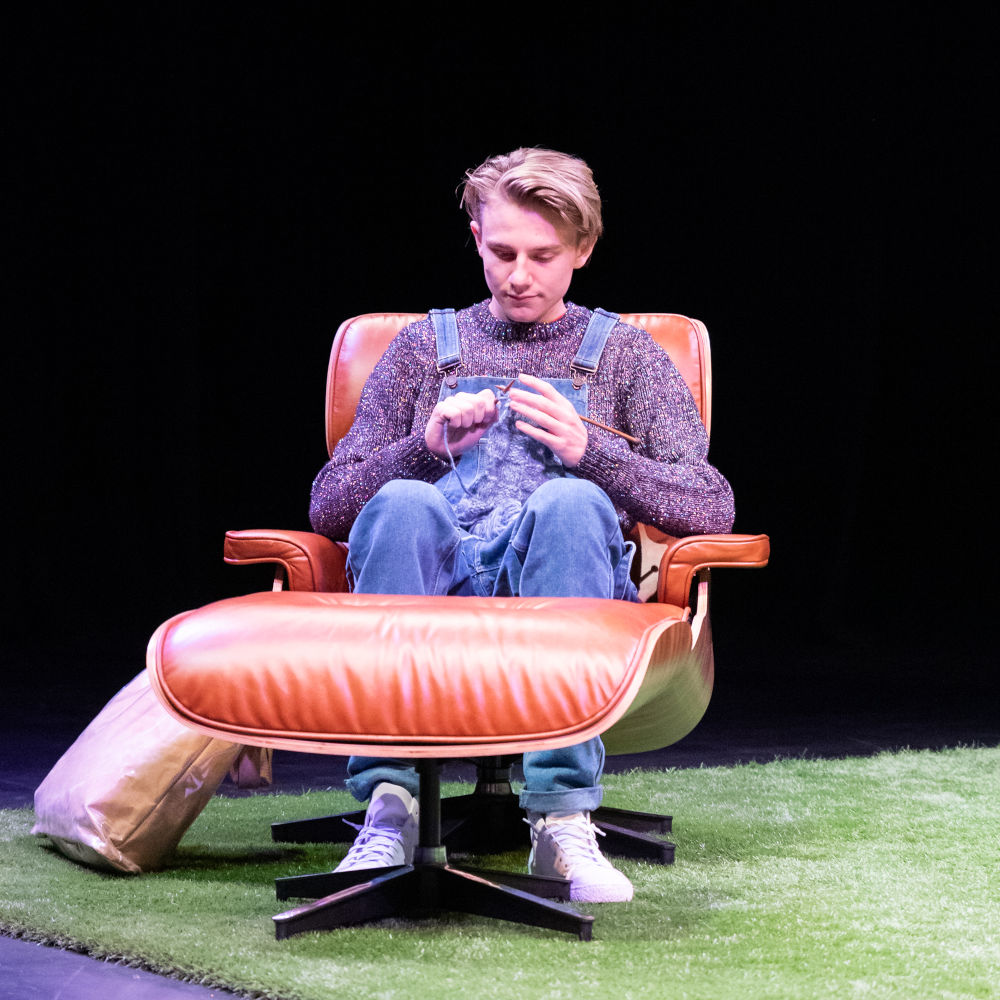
520	275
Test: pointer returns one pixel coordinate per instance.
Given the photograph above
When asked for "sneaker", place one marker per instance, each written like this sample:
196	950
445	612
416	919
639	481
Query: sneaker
390	831
567	846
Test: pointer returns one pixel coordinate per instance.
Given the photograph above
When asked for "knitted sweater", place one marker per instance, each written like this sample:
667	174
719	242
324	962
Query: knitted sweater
666	481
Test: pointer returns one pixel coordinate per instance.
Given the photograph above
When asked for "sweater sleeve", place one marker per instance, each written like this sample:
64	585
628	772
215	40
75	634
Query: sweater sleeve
386	440
666	481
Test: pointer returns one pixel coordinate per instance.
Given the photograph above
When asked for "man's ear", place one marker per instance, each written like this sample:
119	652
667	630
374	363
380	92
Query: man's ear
478	236
583	252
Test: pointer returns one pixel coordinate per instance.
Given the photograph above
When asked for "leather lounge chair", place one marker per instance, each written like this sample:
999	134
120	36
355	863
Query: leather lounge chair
310	667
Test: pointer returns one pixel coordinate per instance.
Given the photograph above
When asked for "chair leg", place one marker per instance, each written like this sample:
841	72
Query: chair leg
320	884
429	884
630	834
331	829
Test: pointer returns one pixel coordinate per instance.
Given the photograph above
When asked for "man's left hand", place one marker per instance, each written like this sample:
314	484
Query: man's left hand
558	424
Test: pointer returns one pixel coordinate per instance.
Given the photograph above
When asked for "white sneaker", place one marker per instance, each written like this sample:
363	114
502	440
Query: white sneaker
390	831
567	846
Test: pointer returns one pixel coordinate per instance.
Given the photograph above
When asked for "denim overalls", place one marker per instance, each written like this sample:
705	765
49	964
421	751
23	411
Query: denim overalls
491	483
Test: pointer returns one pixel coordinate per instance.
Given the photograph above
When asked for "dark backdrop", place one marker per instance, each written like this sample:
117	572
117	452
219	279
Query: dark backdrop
200	196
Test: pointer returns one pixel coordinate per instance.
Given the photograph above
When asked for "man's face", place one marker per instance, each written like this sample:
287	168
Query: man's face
528	258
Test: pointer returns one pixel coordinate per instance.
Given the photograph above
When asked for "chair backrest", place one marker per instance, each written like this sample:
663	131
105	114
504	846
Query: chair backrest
362	340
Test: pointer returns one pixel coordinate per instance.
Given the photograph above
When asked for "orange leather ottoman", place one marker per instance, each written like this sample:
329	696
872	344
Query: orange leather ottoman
429	678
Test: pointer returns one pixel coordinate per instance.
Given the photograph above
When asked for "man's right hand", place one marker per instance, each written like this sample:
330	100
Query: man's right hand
464	418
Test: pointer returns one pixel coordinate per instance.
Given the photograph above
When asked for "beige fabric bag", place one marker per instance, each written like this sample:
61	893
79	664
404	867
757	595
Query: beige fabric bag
122	796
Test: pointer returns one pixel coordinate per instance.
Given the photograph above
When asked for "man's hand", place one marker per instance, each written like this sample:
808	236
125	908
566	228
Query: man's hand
464	417
559	426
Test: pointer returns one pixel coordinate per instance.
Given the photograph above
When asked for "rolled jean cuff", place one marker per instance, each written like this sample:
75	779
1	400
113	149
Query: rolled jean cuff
362	784
572	800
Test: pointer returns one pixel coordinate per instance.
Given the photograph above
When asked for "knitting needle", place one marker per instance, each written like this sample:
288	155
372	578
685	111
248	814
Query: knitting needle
587	420
611	430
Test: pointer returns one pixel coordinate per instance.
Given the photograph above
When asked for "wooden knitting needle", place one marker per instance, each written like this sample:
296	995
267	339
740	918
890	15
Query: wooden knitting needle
611	430
586	420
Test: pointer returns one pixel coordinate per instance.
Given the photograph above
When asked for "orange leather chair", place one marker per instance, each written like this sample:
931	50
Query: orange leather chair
314	668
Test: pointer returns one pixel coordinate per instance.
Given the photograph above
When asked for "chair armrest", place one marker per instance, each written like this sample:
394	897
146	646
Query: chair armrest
683	557
311	562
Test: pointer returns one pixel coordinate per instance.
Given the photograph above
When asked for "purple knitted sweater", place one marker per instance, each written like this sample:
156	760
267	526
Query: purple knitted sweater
665	481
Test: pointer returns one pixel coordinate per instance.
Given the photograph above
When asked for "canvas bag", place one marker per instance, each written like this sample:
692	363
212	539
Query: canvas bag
122	796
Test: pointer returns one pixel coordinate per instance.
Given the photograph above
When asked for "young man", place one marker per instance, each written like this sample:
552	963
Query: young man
468	471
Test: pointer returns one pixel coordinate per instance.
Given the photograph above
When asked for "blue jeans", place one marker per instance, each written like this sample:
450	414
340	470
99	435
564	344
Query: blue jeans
565	542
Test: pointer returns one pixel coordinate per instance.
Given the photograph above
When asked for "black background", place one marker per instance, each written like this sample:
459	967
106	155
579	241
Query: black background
200	195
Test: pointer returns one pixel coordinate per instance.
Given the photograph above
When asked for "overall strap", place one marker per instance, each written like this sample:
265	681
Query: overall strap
449	351
595	337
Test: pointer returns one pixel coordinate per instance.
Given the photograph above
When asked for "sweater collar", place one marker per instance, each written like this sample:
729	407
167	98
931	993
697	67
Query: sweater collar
504	330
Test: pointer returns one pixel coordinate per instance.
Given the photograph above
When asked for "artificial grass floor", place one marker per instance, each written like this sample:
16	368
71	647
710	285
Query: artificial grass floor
864	877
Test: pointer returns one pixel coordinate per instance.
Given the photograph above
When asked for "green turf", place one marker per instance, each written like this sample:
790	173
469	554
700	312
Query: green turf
866	877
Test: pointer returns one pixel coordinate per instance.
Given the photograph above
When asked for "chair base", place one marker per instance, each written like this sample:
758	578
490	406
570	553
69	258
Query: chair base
427	885
490	821
418	889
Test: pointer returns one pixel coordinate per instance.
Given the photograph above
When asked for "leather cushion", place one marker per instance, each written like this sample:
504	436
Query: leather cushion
420	676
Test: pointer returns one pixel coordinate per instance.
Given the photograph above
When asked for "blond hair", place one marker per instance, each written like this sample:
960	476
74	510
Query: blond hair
543	178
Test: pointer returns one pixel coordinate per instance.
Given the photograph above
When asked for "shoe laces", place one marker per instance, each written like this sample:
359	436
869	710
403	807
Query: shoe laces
576	838
373	843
